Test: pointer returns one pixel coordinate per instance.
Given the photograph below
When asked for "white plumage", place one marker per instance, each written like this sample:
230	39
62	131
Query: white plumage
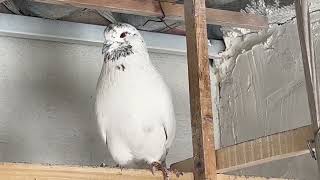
133	104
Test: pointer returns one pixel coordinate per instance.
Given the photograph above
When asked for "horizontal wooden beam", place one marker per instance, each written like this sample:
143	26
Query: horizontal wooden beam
87	34
254	152
16	171
171	11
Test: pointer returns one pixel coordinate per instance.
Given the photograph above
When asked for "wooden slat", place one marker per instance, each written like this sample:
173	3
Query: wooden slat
18	171
262	150
172	11
15	171
199	90
310	70
228	177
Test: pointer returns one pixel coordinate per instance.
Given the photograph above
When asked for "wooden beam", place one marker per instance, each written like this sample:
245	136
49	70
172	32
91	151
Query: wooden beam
254	152
229	177
172	11
16	171
310	70
199	90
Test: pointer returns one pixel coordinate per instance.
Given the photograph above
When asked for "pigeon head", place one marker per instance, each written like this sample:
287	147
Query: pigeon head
121	40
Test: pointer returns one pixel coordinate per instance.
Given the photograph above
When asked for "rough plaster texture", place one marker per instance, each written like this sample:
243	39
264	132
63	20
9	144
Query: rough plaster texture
47	94
264	92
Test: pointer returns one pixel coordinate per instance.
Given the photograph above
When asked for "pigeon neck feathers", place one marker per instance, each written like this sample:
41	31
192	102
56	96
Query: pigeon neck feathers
122	51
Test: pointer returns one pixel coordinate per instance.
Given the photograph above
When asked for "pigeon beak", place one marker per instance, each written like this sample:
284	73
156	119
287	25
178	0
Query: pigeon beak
106	46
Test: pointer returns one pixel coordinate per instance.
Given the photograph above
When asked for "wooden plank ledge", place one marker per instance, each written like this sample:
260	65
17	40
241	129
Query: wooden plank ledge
277	146
19	171
172	11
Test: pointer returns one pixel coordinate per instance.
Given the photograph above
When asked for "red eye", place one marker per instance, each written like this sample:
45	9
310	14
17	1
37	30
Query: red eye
124	34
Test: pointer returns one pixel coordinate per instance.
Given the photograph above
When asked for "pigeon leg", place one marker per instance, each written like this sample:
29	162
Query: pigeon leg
158	166
176	172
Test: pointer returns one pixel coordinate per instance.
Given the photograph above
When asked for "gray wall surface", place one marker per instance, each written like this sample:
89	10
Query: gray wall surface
47	98
264	94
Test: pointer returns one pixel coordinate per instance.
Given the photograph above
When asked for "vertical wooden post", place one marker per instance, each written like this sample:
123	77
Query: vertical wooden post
310	70
199	90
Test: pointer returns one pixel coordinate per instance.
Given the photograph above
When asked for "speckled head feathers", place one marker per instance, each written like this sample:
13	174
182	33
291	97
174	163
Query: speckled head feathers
121	40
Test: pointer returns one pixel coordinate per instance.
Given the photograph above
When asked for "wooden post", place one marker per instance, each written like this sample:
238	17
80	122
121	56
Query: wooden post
199	90
310	70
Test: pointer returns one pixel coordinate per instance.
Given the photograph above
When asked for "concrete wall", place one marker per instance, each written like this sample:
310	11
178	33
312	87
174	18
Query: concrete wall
47	93
265	93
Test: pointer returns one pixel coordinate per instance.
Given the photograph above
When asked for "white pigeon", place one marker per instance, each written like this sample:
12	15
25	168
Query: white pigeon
133	104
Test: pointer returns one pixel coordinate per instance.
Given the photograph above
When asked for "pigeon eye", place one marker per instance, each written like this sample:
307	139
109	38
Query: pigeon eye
124	34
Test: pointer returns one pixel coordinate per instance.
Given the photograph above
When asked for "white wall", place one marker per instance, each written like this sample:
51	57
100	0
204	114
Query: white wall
47	94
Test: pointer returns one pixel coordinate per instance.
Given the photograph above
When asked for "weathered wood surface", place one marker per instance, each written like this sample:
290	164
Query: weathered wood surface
200	91
258	151
13	171
171	10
